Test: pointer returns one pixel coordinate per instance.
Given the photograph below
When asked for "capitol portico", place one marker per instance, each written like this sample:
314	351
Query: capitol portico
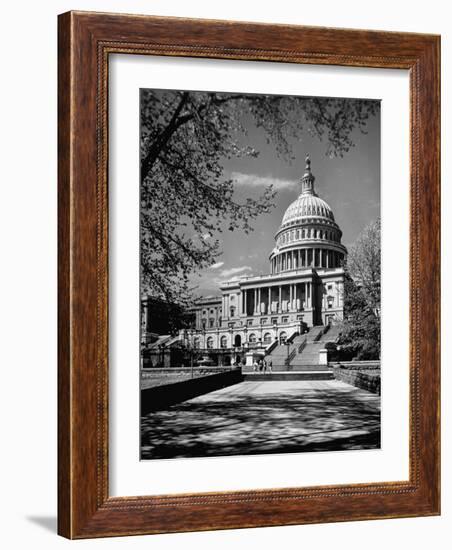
304	287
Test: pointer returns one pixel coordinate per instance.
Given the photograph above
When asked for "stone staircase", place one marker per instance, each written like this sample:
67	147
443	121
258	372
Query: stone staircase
310	362
303	356
279	355
309	355
331	335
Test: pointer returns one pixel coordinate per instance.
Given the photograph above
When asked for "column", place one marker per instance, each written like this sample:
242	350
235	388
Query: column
269	306
279	299
290	296
259	300
327	258
245	309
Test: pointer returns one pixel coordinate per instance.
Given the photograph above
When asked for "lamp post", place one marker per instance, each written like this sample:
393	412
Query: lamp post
191	346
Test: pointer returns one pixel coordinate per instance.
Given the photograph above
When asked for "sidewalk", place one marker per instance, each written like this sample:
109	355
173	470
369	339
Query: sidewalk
265	417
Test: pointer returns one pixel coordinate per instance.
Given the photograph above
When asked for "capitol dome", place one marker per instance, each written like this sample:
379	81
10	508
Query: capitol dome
307	205
309	236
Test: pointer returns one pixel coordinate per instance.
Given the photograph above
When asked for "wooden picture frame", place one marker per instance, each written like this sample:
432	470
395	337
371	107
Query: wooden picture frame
86	40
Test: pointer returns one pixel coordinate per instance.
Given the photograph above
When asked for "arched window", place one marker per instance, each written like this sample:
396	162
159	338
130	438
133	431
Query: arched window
267	338
196	343
303	234
209	342
252	338
232	310
224	342
282	337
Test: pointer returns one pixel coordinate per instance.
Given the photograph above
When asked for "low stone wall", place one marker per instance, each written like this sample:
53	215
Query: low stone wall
163	396
363	374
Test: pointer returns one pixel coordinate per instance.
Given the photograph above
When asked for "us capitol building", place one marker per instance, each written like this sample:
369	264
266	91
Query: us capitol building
304	287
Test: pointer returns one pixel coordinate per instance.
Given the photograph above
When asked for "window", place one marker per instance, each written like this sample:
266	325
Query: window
264	321
267	338
249	322
196	343
204	324
282	337
210	342
204	312
211	322
285	320
223	342
252	338
232	311
211	312
274	320
330	287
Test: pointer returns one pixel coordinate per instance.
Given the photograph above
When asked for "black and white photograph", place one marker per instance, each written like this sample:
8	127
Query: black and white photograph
259	274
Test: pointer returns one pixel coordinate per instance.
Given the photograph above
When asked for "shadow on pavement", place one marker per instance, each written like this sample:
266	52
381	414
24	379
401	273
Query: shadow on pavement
250	423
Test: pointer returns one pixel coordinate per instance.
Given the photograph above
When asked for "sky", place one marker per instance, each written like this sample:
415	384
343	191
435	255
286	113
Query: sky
350	185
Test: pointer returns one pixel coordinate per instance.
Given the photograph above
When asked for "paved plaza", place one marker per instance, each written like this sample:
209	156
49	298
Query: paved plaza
265	417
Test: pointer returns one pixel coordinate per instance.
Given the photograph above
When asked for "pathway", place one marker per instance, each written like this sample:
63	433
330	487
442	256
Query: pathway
265	417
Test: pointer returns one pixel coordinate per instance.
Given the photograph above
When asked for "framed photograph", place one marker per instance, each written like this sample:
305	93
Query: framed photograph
248	275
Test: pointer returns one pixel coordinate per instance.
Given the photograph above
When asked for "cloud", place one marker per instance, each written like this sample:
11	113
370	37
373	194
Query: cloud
253	180
217	265
210	281
225	273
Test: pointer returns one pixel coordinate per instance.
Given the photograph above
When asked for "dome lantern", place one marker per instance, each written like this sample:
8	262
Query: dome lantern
307	181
